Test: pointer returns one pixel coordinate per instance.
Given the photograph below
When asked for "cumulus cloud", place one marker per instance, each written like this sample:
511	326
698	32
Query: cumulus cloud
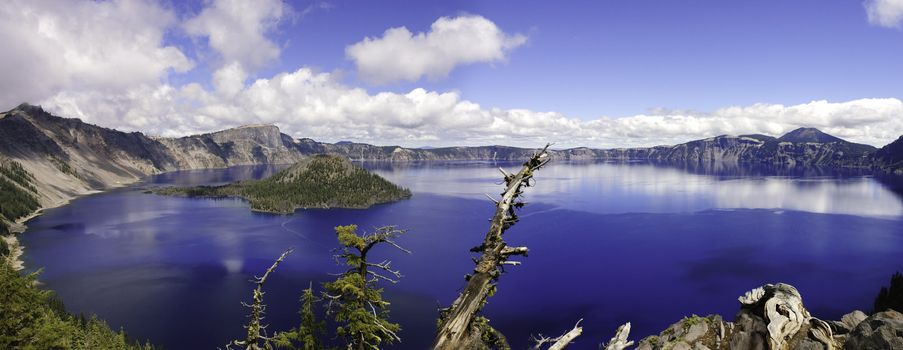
306	103
54	45
451	41
237	30
106	62
885	13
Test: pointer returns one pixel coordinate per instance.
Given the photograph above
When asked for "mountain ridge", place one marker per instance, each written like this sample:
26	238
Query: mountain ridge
69	157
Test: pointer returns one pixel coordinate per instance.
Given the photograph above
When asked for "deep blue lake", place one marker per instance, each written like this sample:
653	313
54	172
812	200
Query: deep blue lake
610	243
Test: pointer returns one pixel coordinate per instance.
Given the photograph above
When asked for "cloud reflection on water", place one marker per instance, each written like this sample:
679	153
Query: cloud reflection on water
625	187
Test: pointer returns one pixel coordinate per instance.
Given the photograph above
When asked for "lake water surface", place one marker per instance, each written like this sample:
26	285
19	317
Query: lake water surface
609	243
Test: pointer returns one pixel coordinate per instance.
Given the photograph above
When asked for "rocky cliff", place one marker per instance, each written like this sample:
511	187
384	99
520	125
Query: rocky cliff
731	149
890	157
69	157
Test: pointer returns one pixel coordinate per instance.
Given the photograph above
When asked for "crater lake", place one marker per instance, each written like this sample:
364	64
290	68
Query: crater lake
609	243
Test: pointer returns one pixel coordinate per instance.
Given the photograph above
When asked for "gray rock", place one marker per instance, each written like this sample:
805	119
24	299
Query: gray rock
851	320
695	331
839	328
681	346
883	330
750	332
809	344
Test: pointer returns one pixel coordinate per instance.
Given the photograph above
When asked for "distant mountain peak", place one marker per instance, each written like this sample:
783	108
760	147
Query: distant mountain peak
27	106
29	109
809	135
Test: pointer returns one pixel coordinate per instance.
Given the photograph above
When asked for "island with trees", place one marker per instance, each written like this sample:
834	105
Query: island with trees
321	181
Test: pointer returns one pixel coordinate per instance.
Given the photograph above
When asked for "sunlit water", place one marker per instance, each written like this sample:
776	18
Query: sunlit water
610	243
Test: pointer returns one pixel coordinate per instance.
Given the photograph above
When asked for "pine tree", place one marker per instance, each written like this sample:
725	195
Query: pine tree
891	297
307	335
354	299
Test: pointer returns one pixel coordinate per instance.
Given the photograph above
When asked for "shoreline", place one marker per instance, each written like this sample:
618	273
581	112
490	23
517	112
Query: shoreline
18	227
263	211
14	258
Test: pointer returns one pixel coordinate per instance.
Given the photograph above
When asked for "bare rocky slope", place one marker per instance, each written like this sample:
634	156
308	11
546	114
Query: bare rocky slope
68	157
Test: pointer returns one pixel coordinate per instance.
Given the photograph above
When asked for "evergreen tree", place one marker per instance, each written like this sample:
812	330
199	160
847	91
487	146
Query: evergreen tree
891	297
307	335
354	299
322	181
30	318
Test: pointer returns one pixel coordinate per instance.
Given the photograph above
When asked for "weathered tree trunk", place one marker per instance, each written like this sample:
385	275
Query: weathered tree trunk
257	338
456	331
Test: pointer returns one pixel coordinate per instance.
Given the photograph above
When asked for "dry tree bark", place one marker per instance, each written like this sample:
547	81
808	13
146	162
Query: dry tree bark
619	341
562	341
257	338
456	328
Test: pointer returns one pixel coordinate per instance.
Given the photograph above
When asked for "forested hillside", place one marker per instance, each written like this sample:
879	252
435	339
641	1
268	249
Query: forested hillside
17	193
322	181
18	198
31	318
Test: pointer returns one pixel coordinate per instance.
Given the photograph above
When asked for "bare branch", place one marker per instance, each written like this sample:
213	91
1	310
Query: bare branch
560	342
256	330
619	341
539	341
507	251
566	339
397	246
374	274
380	325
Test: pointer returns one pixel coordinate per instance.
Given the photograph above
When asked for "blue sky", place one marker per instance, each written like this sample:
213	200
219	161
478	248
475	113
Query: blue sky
616	58
581	73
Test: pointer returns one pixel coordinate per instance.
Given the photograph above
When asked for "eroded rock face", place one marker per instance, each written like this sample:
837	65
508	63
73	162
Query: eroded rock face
883	330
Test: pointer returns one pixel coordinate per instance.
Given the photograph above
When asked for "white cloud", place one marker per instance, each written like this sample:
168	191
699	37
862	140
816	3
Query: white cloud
305	103
885	13
106	62
230	79
54	45
401	55
237	29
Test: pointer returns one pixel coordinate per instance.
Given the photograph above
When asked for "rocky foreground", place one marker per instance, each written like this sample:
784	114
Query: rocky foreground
773	317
